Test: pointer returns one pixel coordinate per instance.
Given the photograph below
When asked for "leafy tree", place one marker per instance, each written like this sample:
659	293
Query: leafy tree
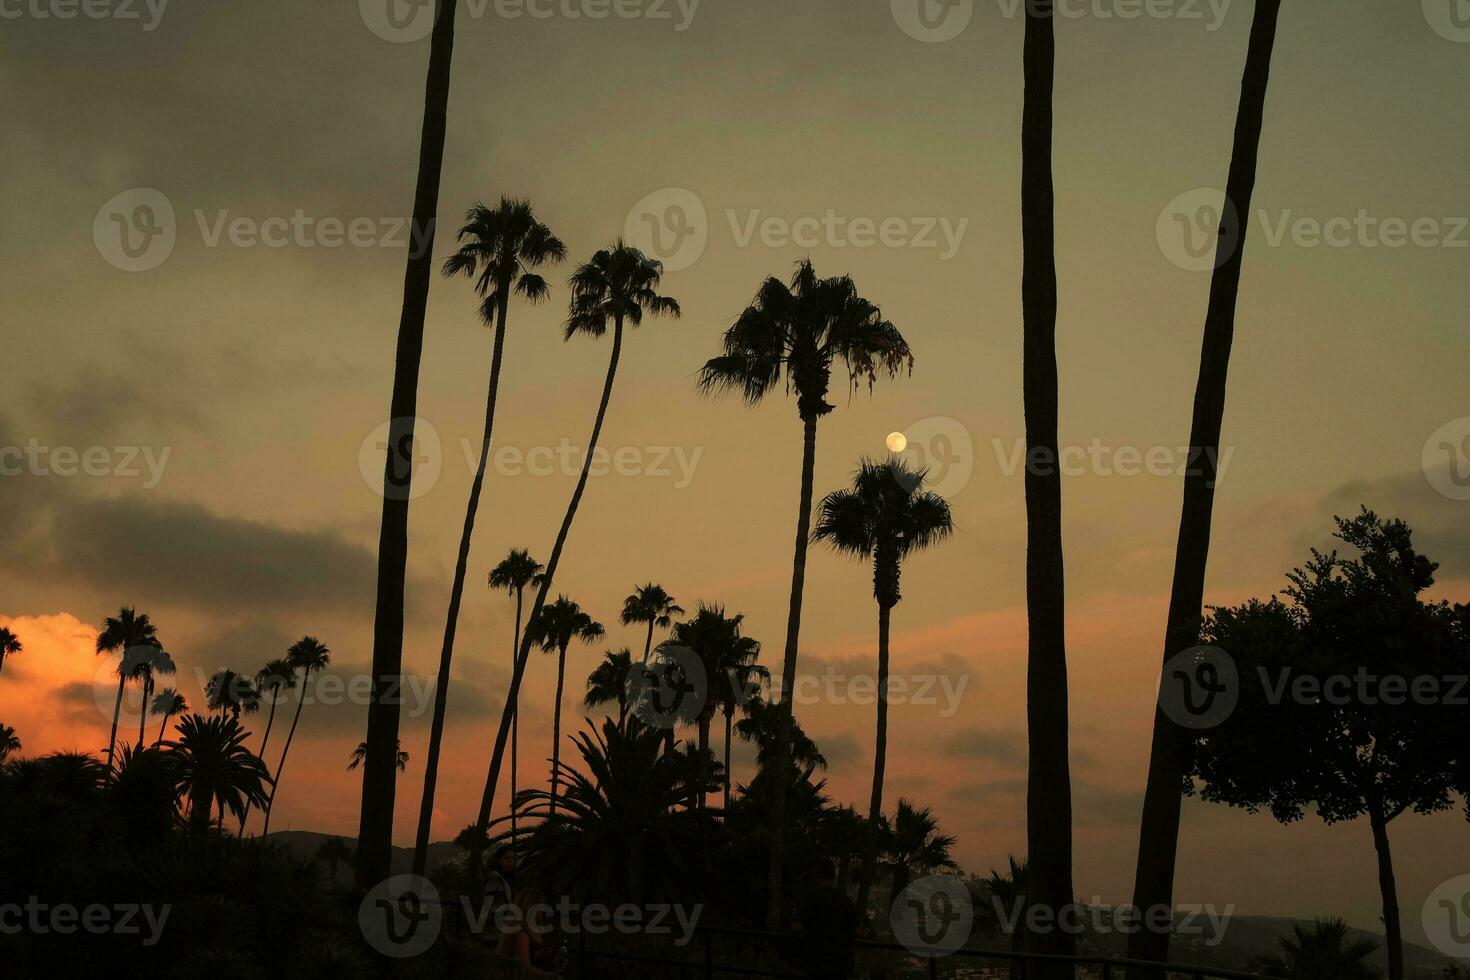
914	845
554	629
1341	696
761	725
796	333
120	634
499	249
167	702
608	682
1322	952
651	605
515	571
213	766
230	693
9	742
9	643
309	656
885	517
716	639
360	753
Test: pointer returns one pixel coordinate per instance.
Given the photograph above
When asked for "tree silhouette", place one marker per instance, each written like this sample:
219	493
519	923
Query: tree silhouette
515	571
1158	837
334	851
650	604
1322	952
9	643
1008	891
499	248
213	766
126	631
360	753
167	702
9	742
608	682
231	693
309	656
913	843
375	826
276	676
554	629
885	517
796	333
716	639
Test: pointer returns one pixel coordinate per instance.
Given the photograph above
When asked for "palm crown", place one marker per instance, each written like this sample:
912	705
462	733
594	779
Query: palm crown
9	643
796	331
169	702
516	571
499	247
563	621
618	284
213	765
608	682
230	692
309	655
650	604
127	629
718	642
276	676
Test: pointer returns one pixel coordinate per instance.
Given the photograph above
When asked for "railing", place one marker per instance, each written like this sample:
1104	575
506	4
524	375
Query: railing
1108	967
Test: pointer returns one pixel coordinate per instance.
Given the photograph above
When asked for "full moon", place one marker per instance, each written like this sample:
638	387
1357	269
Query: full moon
897	442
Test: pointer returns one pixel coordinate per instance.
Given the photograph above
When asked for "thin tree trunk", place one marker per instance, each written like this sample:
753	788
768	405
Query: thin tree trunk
788	674
880	762
487	801
1049	783
701	767
163	727
116	714
1392	928
561	673
270	804
515	721
1158	838
729	723
375	826
264	741
648	644
456	595
143	709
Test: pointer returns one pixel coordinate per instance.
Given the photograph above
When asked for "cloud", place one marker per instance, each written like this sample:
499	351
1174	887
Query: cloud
995	744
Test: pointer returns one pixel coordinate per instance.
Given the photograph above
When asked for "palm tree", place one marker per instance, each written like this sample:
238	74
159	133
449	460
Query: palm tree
9	742
913	844
167	702
360	753
334	851
652	605
1322	952
798	332
731	690
885	517
616	288
309	656
375	826
126	631
515	571
1049	778
231	693
1009	892
9	643
150	661
608	683
499	248
554	629
717	640
761	725
212	765
276	676
1158	837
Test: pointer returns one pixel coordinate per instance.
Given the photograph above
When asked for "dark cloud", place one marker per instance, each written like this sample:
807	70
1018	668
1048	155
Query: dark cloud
840	749
995	744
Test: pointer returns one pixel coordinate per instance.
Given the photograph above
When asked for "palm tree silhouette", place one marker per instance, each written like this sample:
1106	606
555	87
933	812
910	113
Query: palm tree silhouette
231	693
554	629
913	843
1049	778
127	630
734	689
334	851
309	656
618	286
717	640
885	517
360	753
276	676
652	605
499	248
1322	952
1158	836
167	702
9	742
761	725
1009	892
9	643
150	661
515	571
375	815
798	332
608	683
213	766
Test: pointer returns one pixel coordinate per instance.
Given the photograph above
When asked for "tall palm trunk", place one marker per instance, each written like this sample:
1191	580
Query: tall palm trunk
515	719
456	594
701	765
561	674
116	714
264	741
729	724
487	800
880	763
648	643
1392	928
788	670
164	727
1158	838
143	709
375	824
1049	782
270	803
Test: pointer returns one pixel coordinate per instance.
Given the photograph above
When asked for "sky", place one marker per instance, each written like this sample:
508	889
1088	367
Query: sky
191	419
